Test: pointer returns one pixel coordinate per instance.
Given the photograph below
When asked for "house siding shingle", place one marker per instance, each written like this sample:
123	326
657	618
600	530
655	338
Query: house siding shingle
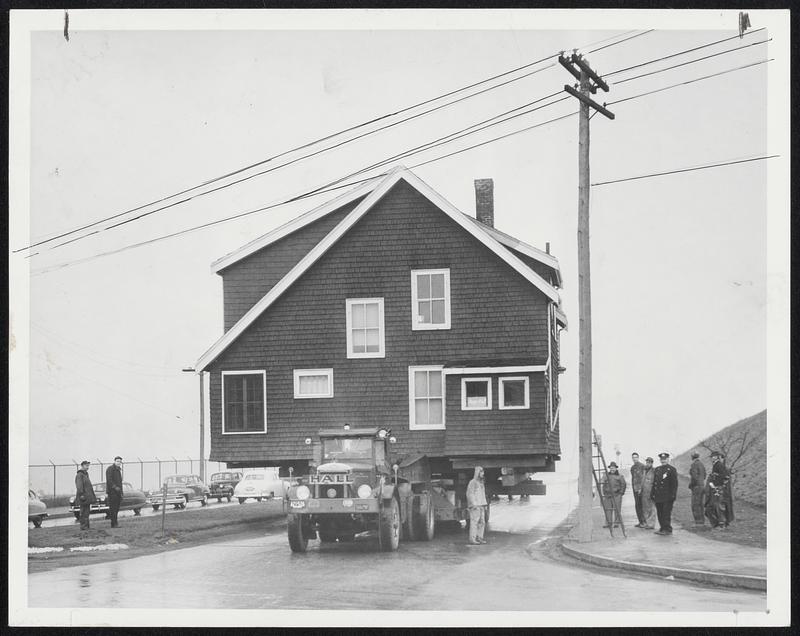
495	314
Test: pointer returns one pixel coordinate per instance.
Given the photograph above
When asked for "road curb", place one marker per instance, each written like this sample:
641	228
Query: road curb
698	576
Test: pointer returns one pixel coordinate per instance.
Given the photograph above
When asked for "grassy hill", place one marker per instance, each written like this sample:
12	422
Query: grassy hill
748	437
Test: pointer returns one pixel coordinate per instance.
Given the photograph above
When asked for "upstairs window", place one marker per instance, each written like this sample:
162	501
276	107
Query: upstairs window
313	383
426	393
244	406
476	394
514	393
365	330
430	299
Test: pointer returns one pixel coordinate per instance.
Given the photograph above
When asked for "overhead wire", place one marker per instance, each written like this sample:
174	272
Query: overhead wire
309	144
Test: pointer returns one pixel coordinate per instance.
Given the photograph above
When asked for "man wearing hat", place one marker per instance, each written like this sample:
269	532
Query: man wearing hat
647	488
697	484
719	503
84	493
114	489
613	488
665	489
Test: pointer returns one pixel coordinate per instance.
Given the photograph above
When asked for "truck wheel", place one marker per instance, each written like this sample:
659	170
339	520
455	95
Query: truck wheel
426	519
156	507
37	522
410	522
297	541
242	500
390	527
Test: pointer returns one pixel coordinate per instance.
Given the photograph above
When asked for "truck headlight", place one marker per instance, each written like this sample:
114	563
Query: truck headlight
302	492
364	491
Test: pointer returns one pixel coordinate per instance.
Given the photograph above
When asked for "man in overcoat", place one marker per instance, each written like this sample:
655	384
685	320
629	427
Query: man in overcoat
84	493
637	473
697	484
476	503
665	489
719	504
114	489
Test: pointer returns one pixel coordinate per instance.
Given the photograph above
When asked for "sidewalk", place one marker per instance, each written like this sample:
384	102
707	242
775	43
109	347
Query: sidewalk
682	555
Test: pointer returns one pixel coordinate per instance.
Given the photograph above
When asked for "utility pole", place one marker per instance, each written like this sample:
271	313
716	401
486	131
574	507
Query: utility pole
589	82
202	424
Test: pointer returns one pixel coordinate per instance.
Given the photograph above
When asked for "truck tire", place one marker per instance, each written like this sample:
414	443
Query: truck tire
390	526
298	542
425	519
410	523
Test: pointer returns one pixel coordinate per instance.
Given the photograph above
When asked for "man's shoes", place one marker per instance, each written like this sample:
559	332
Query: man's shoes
472	543
605	525
482	541
648	527
659	532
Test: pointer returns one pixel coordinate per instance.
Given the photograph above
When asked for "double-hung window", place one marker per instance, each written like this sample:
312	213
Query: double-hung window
426	393
313	383
365	329
430	299
244	402
514	392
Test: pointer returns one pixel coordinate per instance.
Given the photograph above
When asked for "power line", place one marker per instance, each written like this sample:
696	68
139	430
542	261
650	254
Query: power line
620	42
309	144
683	52
691	81
704	167
699	59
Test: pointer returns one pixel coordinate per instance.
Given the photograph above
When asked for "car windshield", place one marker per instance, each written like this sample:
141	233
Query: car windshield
347	448
176	479
255	476
101	487
221	477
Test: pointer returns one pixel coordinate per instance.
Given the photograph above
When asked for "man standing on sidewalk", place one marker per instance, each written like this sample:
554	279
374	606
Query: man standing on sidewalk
719	507
476	502
697	484
665	489
114	489
637	474
647	488
84	493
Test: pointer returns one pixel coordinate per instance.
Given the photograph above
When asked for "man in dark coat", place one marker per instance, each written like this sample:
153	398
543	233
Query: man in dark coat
697	484
665	489
637	475
84	493
114	489
719	500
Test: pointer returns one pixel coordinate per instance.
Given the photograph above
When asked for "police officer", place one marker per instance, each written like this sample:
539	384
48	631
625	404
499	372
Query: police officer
665	489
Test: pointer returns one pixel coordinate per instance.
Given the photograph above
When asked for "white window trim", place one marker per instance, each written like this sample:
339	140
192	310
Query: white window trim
464	406
300	373
416	326
381	353
501	397
412	413
264	394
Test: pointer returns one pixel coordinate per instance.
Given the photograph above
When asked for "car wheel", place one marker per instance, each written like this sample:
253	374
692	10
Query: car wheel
242	499
37	522
204	500
137	512
219	499
390	527
228	498
298	542
156	507
258	498
77	515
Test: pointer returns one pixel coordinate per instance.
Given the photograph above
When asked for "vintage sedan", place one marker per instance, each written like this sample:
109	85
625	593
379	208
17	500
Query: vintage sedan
181	489
258	486
222	484
132	499
36	509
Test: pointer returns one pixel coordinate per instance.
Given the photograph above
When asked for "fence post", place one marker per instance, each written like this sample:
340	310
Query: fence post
101	470
176	464
141	474
191	465
54	480
159	472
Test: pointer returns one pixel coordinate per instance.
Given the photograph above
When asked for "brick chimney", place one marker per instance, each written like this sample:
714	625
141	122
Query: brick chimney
484	201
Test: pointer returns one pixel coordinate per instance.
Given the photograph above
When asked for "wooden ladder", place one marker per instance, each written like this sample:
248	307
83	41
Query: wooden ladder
600	472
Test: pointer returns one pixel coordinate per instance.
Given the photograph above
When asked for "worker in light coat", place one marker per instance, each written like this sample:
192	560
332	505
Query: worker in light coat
476	504
648	505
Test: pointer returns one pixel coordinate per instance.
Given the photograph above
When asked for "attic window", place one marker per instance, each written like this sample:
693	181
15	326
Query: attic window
365	330
430	299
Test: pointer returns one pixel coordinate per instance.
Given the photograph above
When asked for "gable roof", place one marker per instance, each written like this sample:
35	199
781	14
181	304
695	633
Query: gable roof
376	193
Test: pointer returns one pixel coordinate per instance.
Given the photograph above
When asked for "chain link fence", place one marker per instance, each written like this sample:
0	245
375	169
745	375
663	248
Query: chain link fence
55	483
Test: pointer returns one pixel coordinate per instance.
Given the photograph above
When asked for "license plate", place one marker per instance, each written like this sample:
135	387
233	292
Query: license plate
297	504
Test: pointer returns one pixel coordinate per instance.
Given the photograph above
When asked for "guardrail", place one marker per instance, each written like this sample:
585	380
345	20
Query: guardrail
54	482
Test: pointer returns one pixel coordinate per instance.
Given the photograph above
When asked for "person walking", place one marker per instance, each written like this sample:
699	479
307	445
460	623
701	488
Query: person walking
665	489
637	473
476	503
613	488
719	504
647	487
84	493
114	489
697	484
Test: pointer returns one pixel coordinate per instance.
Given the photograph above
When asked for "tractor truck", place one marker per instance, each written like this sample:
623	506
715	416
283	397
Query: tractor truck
356	485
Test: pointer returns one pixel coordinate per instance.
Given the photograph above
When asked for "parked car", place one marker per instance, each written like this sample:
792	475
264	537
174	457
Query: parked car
36	509
132	499
258	486
222	484
181	489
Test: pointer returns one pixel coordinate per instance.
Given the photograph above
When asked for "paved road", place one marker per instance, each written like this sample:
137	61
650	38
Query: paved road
516	571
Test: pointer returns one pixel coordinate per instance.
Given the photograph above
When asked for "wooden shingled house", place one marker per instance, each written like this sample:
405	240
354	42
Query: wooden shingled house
388	306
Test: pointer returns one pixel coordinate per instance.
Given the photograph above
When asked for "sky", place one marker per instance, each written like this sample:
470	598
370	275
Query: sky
126	113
